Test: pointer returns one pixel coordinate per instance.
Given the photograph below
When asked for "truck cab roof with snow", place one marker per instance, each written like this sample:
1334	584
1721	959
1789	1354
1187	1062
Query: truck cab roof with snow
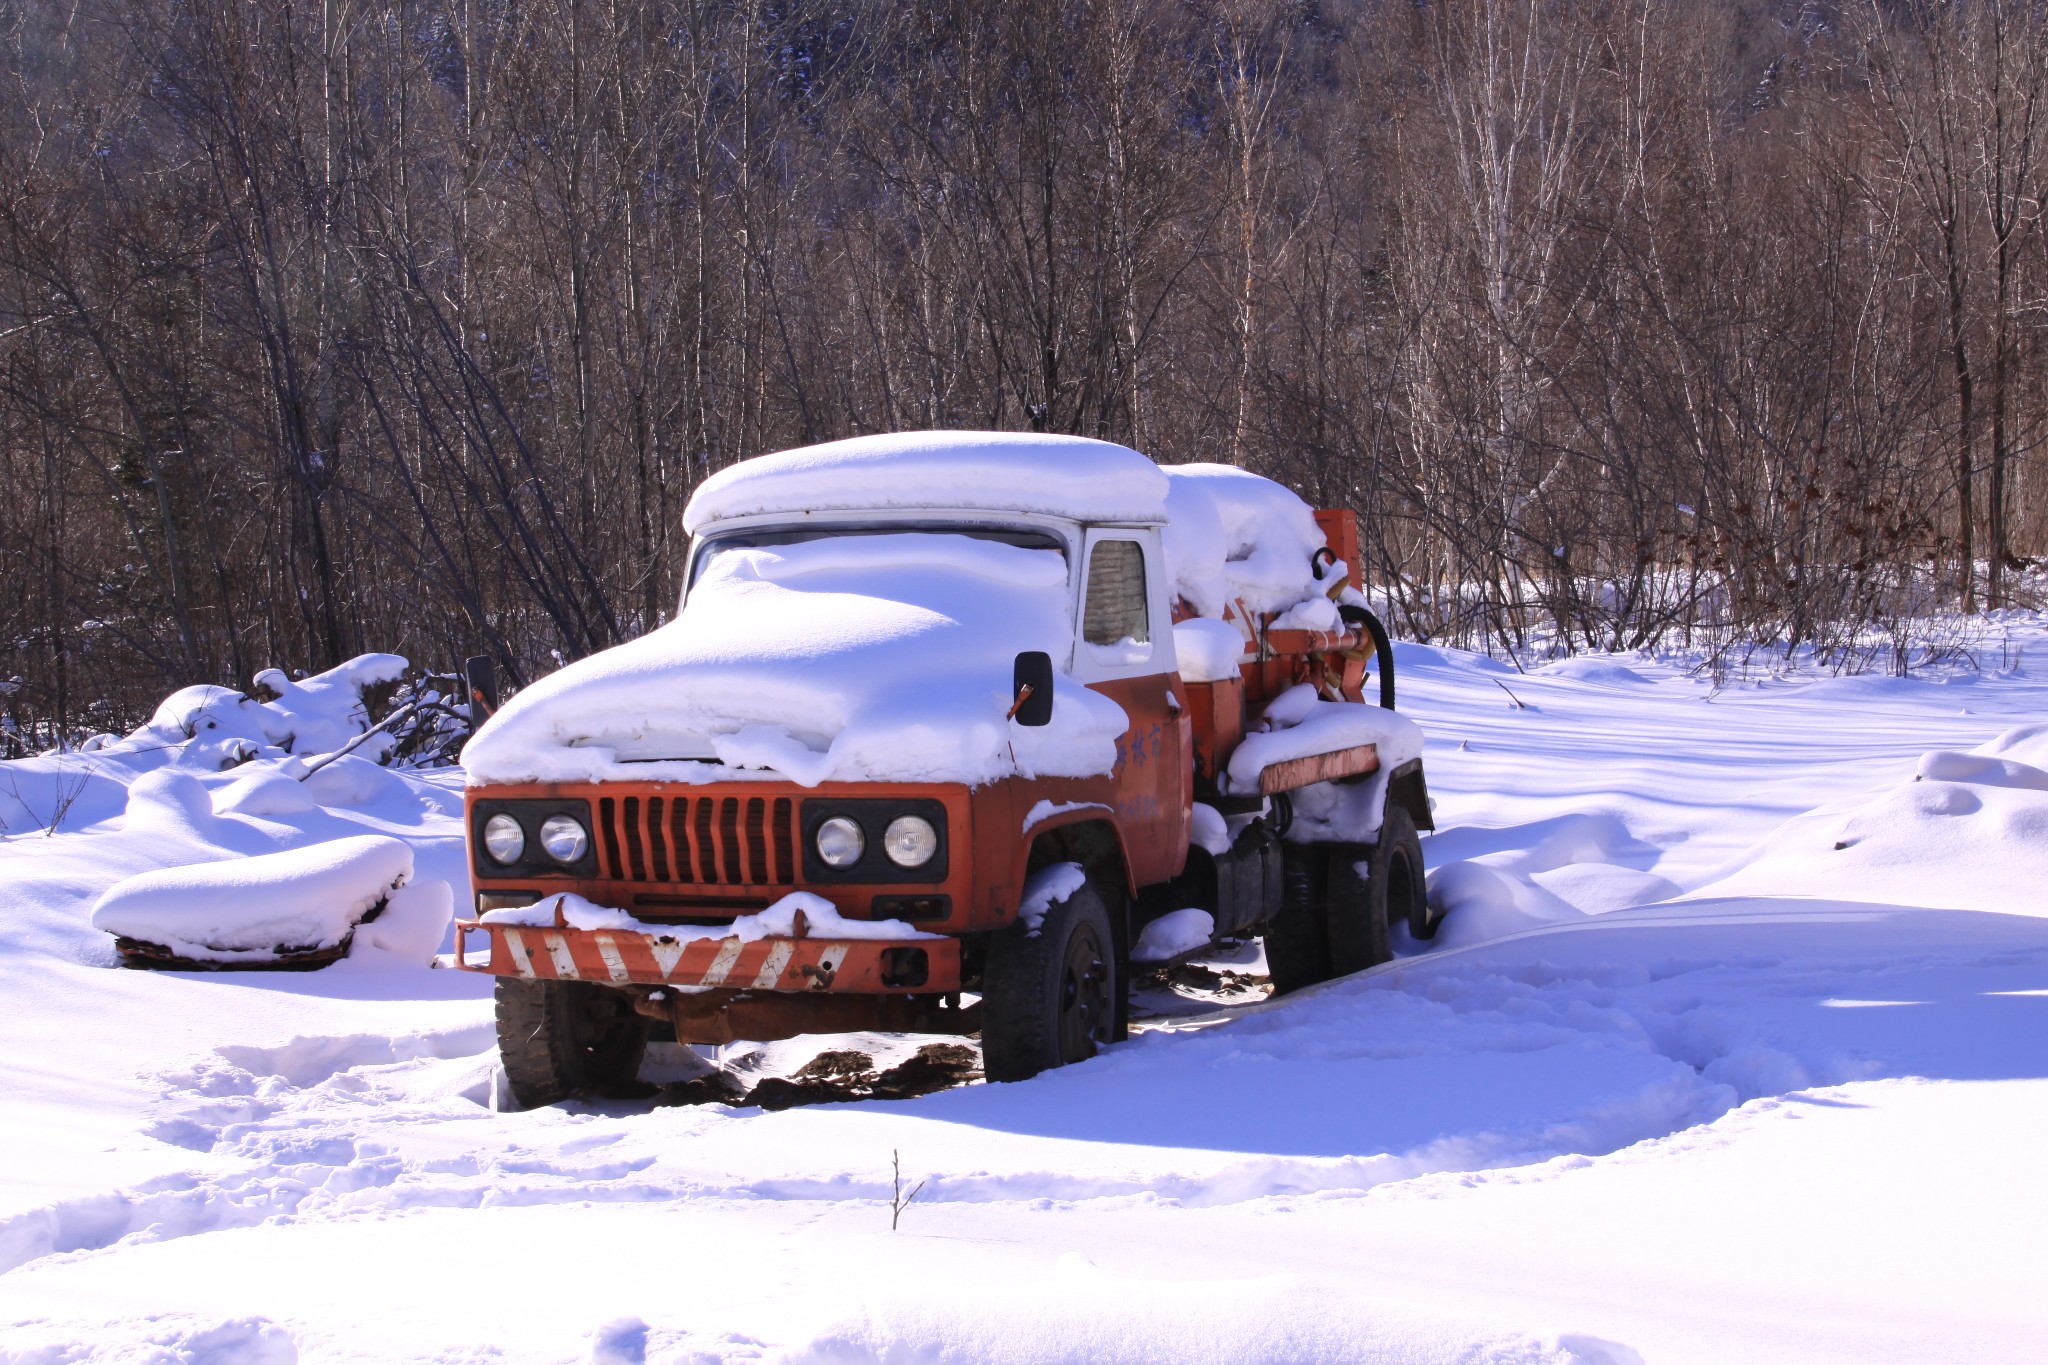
1073	477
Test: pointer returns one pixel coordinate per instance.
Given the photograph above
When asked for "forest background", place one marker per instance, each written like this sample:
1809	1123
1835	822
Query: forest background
337	325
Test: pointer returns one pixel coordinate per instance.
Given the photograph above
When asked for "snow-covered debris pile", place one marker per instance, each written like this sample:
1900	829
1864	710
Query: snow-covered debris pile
884	657
224	813
199	729
1969	830
303	903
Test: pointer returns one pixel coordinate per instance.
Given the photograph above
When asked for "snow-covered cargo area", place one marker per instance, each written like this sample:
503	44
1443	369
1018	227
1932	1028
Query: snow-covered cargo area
1679	1081
1232	535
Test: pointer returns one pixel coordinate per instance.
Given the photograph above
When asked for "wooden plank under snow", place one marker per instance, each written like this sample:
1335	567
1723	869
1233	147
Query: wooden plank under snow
1299	772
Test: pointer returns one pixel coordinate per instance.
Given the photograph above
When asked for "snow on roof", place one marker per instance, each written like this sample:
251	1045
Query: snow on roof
995	471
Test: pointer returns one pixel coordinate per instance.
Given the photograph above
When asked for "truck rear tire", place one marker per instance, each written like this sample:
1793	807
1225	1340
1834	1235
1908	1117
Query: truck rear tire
1397	868
1297	937
1050	996
1355	907
1333	921
561	1038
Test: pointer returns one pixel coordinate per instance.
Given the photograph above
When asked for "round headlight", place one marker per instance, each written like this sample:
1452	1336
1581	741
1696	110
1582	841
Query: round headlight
910	841
504	840
564	837
840	842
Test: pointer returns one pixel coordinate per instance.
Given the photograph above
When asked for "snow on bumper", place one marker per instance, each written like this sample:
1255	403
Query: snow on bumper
622	957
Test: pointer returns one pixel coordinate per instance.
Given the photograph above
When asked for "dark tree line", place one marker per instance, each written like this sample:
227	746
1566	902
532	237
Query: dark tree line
333	325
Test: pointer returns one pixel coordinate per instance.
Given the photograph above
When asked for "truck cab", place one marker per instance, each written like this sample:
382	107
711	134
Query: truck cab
921	752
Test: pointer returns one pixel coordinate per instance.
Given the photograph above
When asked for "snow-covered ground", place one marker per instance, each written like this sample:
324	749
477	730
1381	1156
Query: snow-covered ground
1734	1047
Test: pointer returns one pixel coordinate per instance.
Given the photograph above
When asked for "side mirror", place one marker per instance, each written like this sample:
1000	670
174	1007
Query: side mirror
480	680
1032	686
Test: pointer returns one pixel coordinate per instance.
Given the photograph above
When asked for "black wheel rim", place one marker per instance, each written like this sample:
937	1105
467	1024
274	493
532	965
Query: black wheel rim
1404	894
1085	1007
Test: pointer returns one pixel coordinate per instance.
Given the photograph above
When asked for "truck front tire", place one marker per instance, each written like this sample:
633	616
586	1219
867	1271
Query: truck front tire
561	1038
1050	995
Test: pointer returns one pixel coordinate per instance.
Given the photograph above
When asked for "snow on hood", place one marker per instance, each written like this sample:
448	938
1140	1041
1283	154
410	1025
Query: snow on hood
1001	471
878	657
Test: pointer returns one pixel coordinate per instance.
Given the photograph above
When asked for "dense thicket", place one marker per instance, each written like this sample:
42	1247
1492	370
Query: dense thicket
329	325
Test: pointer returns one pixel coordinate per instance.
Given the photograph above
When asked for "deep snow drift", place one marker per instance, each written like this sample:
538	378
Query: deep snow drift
1680	1080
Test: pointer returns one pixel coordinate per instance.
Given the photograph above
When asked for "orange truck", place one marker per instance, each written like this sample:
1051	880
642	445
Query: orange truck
950	732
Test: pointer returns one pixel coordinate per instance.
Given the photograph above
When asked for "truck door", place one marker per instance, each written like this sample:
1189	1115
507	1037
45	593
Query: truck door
1124	650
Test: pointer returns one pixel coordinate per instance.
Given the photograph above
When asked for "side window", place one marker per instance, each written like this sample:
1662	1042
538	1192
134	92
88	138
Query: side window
1115	607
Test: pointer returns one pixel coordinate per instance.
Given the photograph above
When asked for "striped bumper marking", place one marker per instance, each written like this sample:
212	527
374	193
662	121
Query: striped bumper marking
771	970
667	953
614	965
623	958
721	966
515	944
558	952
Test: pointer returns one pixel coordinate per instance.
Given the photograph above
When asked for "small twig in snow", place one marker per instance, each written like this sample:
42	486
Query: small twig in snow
901	1201
1520	705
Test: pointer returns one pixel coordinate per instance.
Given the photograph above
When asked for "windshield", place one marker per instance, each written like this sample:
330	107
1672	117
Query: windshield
773	537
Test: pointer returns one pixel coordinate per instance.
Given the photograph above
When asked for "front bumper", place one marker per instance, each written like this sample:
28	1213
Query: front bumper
622	957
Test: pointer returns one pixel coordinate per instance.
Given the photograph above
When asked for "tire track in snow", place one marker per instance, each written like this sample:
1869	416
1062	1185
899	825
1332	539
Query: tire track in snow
1477	1051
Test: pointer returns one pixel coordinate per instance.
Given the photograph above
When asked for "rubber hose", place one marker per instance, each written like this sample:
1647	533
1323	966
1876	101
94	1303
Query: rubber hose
1383	648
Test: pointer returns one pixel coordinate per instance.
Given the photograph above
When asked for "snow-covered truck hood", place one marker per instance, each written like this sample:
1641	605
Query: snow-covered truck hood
868	658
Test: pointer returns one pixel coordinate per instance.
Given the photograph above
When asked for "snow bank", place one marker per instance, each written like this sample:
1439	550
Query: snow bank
412	928
821	920
996	471
882	657
1968	831
245	909
217	795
